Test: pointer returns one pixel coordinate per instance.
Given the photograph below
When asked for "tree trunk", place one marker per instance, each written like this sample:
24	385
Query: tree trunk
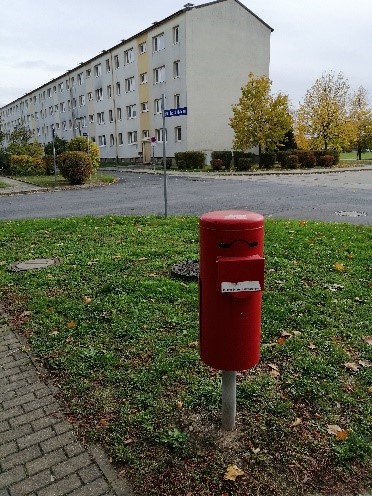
359	153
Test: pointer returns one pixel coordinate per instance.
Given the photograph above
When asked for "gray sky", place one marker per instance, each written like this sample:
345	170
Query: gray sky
40	39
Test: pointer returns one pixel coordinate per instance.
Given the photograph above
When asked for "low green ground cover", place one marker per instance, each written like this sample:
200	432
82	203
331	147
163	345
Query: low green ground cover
353	156
59	181
2	184
119	337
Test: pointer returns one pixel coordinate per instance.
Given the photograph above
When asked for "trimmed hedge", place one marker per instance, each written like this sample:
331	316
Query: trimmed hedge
190	160
308	158
76	167
217	164
25	165
325	160
224	155
267	160
292	162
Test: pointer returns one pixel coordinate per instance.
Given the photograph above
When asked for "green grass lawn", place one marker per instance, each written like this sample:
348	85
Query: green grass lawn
353	156
119	337
59	181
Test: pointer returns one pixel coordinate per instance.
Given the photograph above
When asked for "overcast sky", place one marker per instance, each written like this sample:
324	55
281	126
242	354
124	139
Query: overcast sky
40	39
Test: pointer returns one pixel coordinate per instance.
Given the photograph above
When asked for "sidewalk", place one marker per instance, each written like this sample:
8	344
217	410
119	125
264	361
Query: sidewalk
40	454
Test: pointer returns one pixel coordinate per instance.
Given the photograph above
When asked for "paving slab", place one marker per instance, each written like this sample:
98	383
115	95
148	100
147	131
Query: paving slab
40	454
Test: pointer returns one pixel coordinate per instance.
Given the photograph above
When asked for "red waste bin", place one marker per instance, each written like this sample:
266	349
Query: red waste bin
230	288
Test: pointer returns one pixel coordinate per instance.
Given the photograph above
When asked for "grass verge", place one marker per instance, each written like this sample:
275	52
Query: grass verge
2	184
120	339
60	182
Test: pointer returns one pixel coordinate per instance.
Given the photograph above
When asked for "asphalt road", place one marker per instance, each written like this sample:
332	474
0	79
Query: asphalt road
337	196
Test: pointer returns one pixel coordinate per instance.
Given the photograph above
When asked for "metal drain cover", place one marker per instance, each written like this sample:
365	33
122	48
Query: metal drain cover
352	213
37	263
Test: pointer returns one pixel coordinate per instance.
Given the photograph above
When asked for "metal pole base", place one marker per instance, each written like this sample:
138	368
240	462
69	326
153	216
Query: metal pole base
228	400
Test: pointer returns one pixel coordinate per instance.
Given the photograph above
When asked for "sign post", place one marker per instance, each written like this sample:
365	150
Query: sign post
168	113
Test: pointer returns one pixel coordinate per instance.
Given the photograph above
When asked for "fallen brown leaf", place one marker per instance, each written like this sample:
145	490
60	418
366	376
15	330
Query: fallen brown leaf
342	435
71	324
87	299
232	472
296	422
339	266
351	366
367	339
365	363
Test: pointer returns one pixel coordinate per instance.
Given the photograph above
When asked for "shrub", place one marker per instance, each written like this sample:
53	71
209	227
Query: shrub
76	167
217	164
267	159
84	144
4	159
292	162
190	160
225	156
334	153
60	146
25	165
244	164
48	164
325	160
31	149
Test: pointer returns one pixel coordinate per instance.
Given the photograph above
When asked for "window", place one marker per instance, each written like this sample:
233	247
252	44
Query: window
118	111
159	74
90	96
111	116
99	94
81	100
84	121
102	140
112	140
145	134
159	135
56	108
118	88
54	91
67	84
80	78
69	106
158	43
50	110
60	87
176	69
69	124
142	47
108	65
128	56
64	125
49	93
176	35
158	107
100	118
88	73
177	100
131	111
144	106
116	61
129	84
120	138
109	91
91	118
178	133
74	103
62	107
132	137
97	70
143	78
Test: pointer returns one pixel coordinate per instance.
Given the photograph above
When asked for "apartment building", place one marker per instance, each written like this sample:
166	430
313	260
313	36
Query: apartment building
199	58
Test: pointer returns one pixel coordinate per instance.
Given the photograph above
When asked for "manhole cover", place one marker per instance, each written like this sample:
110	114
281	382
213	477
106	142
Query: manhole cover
352	213
188	270
37	263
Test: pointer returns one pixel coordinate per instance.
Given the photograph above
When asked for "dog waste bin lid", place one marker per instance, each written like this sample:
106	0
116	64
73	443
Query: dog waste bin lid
37	263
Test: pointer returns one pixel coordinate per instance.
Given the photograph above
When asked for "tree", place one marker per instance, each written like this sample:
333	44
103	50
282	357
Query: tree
360	122
60	145
321	122
20	135
259	119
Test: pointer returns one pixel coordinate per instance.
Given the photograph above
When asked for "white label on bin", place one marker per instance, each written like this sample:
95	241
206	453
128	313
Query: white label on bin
238	287
236	217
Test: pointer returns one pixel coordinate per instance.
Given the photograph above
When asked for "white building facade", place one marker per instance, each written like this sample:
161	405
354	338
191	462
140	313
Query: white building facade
199	58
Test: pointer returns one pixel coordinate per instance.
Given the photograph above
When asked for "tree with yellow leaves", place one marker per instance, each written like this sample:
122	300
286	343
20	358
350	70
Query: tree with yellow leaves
322	118
360	122
260	119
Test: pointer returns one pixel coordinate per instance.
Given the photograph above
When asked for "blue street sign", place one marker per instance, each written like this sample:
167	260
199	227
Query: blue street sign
175	112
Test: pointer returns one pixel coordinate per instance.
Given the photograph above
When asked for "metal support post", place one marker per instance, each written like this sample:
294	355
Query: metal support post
228	399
